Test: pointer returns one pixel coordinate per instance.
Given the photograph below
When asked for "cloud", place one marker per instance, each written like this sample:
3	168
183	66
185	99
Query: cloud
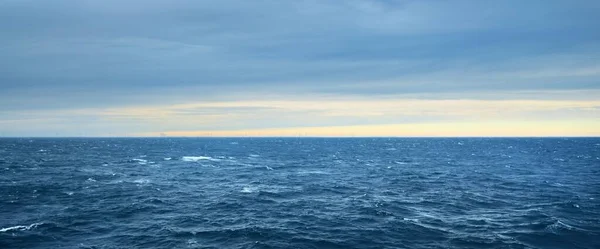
65	56
452	129
284	114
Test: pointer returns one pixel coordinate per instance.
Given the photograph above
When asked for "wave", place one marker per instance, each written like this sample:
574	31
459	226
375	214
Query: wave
141	181
198	158
249	189
140	161
310	172
20	228
559	225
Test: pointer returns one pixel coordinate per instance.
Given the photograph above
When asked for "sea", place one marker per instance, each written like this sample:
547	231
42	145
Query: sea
300	193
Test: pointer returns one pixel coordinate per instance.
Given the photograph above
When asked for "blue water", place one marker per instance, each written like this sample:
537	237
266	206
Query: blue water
300	193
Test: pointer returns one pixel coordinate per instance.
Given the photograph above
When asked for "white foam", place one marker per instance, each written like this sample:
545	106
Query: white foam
91	179
198	158
140	161
192	243
167	158
248	189
22	228
269	168
409	219
141	181
558	225
318	172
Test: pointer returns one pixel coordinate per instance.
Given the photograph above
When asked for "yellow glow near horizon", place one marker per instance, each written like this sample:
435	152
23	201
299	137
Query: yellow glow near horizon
457	117
364	108
450	118
465	129
333	117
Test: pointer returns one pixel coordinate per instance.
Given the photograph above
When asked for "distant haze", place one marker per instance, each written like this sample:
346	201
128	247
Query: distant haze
299	68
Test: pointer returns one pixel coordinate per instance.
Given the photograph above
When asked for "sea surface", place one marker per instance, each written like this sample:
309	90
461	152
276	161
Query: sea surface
300	193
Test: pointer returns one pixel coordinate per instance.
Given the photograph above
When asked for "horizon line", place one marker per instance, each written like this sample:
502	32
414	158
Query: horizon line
557	136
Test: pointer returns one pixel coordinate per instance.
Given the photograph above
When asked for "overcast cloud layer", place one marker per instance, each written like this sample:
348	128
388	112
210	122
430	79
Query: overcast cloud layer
107	67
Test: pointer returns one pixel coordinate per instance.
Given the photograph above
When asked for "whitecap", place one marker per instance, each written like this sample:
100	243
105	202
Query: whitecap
198	158
248	189
269	168
318	172
22	228
167	158
560	225
140	161
411	219
192	243
91	179
390	149
141	181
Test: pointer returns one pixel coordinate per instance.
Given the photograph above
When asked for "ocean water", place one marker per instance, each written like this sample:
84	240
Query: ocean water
300	193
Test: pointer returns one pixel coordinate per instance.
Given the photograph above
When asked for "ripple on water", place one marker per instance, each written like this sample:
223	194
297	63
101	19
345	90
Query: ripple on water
299	193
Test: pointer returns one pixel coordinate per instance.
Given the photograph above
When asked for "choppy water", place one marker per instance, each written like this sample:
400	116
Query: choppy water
300	193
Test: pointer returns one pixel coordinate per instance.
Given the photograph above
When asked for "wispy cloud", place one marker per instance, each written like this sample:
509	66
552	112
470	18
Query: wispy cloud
299	114
132	64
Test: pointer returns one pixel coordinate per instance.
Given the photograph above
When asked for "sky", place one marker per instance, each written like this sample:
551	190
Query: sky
299	68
